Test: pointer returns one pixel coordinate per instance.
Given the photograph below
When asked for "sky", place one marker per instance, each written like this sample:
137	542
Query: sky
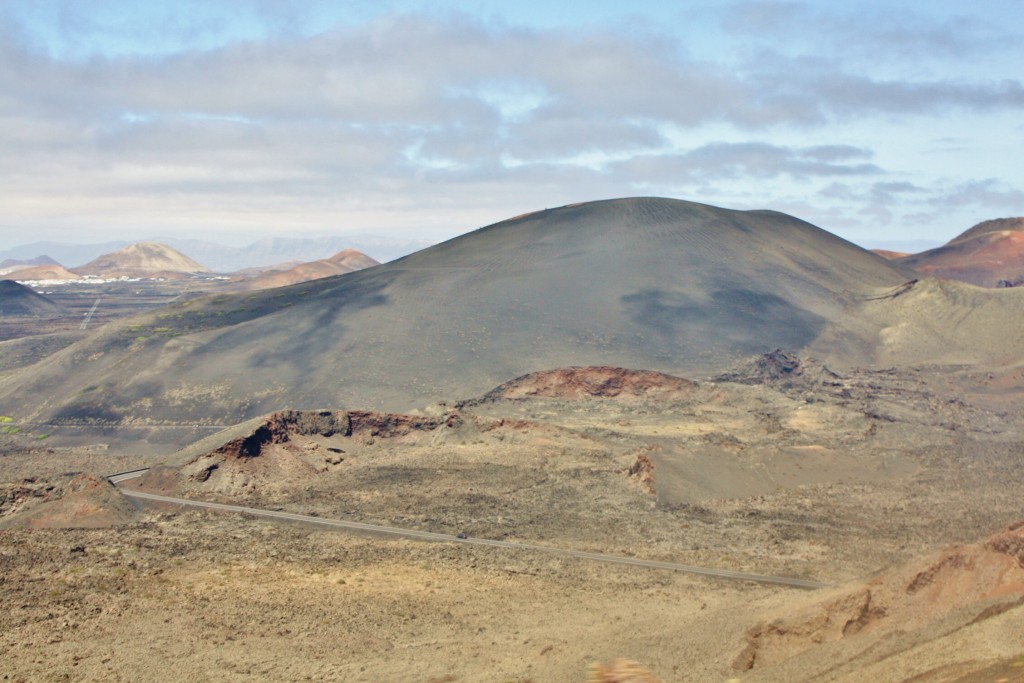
892	124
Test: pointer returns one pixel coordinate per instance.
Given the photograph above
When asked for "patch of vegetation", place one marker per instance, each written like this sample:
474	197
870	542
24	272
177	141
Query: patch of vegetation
5	418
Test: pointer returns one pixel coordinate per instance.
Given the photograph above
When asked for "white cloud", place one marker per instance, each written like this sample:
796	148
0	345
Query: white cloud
459	117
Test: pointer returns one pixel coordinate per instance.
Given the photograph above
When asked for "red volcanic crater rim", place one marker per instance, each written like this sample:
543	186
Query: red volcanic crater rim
280	426
595	382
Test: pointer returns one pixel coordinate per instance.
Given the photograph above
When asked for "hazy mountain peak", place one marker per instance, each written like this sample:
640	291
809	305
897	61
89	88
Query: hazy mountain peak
142	258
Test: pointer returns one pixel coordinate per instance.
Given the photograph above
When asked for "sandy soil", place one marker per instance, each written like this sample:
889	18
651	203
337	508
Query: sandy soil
225	598
860	474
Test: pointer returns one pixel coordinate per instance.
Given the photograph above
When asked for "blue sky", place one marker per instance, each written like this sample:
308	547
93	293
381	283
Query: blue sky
891	124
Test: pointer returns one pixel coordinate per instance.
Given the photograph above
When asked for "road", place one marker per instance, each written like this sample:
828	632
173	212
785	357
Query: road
417	534
88	316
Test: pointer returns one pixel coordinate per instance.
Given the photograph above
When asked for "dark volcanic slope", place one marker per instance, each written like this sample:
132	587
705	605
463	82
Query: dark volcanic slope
645	283
17	301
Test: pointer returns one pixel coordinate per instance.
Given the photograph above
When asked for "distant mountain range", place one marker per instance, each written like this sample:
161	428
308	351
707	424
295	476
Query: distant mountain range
37	261
155	260
224	259
11	265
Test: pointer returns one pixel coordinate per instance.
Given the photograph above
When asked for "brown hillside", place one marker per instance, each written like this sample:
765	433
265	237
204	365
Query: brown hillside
56	272
346	261
944	321
85	501
273	452
8	266
595	382
991	254
994	225
143	259
353	259
949	598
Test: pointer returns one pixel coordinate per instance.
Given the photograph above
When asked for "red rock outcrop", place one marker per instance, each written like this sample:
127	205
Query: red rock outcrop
595	382
982	579
84	501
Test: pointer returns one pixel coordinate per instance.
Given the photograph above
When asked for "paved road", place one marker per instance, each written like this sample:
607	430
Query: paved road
432	536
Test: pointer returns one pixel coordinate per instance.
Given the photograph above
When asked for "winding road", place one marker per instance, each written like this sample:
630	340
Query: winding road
416	534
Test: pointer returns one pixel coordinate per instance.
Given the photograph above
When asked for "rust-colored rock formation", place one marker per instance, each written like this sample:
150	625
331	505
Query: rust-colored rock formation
595	382
84	501
991	254
982	580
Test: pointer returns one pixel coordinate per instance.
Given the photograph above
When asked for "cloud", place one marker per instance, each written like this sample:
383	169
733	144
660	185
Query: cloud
860	31
418	71
753	160
447	111
989	193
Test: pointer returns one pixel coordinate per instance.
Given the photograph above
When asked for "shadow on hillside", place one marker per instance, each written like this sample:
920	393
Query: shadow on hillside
742	320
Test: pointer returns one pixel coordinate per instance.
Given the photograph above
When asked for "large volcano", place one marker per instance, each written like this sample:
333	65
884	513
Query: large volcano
645	283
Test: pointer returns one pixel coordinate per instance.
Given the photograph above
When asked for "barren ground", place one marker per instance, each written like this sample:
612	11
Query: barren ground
835	477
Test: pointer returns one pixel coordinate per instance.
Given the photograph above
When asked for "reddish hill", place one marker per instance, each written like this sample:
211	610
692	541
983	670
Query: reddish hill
994	225
352	259
12	265
54	272
595	382
276	450
890	255
85	501
143	259
990	254
937	600
346	261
